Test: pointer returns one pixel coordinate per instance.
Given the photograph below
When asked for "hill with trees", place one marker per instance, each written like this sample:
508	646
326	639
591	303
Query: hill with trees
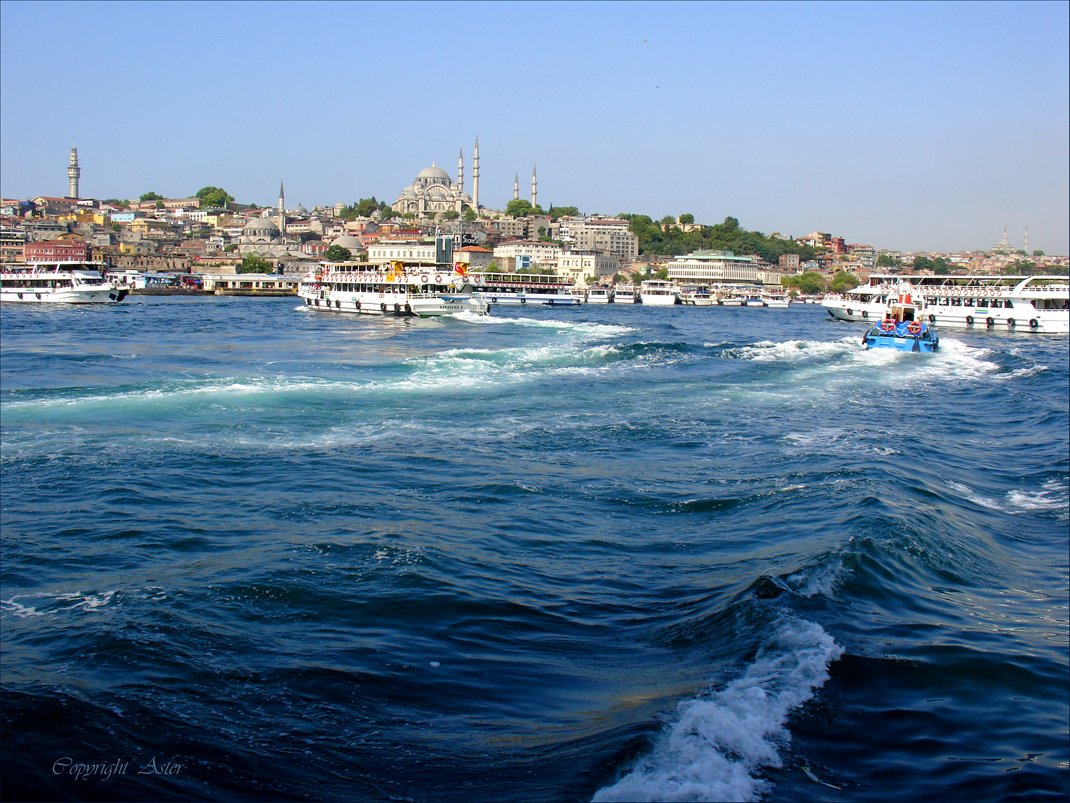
667	238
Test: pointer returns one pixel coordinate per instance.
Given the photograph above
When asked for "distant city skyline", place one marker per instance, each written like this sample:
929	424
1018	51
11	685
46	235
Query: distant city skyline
911	126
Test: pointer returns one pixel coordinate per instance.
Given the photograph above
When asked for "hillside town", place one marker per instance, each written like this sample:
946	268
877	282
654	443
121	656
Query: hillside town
197	241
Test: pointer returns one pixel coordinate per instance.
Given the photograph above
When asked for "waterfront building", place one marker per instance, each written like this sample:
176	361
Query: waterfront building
55	251
608	235
720	267
528	253
583	267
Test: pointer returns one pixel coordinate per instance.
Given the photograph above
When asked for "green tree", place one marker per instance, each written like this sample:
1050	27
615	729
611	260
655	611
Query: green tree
337	253
451	214
469	214
888	261
151	196
120	203
810	283
254	263
518	207
1038	253
687	218
556	212
214	196
843	281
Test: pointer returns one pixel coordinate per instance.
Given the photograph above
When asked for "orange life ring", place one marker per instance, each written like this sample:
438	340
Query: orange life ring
887	325
914	328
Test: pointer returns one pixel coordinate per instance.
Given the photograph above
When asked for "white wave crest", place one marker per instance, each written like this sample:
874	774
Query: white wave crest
1053	496
717	744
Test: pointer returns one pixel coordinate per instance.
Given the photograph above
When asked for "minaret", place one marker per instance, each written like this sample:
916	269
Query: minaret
516	186
475	177
460	172
73	173
1025	244
534	187
282	210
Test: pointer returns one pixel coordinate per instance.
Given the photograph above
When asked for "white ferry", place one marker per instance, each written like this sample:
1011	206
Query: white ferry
525	288
415	289
625	294
658	293
777	299
696	296
1002	303
597	294
65	282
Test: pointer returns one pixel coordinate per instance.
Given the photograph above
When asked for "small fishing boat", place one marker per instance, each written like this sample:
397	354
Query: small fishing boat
903	326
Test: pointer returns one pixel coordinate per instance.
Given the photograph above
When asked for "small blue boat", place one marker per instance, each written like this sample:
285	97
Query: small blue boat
904	326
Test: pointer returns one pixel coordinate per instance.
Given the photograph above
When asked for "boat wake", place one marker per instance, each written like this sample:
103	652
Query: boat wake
717	744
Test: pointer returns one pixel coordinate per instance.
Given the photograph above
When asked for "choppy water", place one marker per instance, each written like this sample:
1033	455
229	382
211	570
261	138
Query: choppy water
251	552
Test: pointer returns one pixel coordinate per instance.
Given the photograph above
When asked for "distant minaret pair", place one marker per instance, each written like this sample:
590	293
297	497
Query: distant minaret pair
475	174
534	187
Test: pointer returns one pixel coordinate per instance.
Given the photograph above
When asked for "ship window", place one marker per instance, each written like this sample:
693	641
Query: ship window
1008	304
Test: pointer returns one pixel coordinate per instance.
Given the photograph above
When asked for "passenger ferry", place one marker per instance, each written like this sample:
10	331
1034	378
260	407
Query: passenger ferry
525	288
625	294
64	282
1001	303
778	299
658	293
417	289
597	294
696	296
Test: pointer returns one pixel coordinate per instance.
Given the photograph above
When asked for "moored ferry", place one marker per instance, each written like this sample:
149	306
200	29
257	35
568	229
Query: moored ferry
1038	304
658	293
525	288
625	294
62	282
399	288
696	296
597	294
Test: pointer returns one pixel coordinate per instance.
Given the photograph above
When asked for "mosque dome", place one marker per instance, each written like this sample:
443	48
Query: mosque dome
260	227
349	242
434	171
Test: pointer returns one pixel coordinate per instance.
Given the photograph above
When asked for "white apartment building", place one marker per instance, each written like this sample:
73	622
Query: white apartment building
608	235
580	266
720	267
536	254
386	251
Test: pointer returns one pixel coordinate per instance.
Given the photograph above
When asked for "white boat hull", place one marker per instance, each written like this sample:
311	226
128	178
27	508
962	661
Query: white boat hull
533	299
1024	319
109	295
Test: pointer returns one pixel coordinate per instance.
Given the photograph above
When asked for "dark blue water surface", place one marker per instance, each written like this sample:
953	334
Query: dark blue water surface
251	552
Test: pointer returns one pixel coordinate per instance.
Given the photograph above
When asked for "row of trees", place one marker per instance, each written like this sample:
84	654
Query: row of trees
666	238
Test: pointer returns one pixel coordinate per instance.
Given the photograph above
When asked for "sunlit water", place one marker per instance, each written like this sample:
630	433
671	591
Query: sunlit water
553	554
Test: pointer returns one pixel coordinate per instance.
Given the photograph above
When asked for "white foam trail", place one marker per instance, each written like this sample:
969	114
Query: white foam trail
717	744
1053	496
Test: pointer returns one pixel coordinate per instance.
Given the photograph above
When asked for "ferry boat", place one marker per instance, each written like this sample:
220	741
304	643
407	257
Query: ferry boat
597	294
777	299
525	288
625	294
62	282
417	289
695	296
658	293
904	326
728	297
1039	304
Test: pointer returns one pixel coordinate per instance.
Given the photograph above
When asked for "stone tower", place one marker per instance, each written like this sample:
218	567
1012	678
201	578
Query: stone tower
74	172
534	187
475	177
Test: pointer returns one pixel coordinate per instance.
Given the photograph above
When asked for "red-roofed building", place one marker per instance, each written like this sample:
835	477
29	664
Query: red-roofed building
56	251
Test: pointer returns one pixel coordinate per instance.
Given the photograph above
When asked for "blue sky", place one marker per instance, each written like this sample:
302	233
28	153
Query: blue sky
925	126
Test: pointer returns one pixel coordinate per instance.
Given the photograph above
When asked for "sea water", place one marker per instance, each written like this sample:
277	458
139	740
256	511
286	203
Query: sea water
254	552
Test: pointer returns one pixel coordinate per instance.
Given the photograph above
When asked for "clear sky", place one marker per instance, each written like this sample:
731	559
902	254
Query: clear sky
913	126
